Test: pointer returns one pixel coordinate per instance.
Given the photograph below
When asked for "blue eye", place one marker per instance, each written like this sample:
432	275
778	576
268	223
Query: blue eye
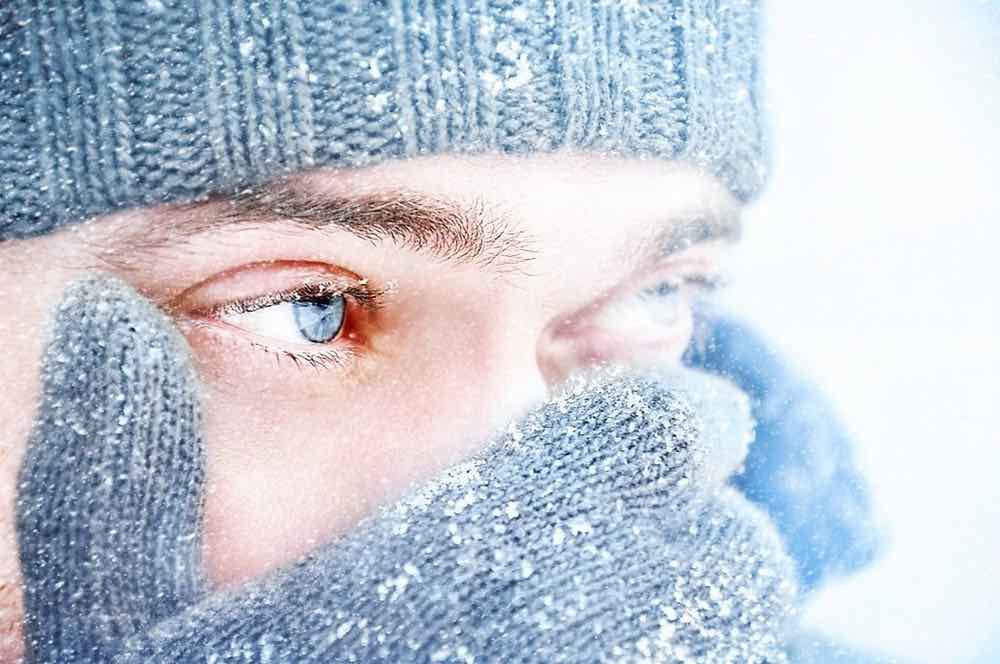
662	289
319	320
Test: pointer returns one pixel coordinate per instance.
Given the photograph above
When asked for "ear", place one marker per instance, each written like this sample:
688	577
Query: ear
110	493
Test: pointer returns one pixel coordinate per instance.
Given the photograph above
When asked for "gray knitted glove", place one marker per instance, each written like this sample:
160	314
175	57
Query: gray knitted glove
109	501
583	534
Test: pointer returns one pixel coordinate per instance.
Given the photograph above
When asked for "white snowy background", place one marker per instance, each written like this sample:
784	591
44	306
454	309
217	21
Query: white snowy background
874	261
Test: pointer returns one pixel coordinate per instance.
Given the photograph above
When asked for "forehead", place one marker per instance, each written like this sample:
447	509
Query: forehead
539	183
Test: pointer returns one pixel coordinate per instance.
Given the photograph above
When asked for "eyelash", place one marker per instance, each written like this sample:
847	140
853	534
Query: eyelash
363	294
302	359
699	285
369	298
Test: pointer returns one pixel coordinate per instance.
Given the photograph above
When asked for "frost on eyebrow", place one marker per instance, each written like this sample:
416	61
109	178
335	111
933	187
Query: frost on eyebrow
477	233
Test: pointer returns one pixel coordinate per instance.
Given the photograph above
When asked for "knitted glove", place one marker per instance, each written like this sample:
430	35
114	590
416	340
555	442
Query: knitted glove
801	467
584	533
109	500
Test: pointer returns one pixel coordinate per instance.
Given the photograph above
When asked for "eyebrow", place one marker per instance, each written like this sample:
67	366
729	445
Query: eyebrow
471	234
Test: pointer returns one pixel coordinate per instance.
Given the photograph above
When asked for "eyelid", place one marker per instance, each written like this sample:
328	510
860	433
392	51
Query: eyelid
696	271
252	286
697	285
366	297
692	275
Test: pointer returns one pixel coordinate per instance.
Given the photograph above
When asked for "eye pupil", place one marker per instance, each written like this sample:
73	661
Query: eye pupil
662	289
319	320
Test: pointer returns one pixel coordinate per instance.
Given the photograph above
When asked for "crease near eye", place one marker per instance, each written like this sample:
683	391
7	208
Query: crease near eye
651	317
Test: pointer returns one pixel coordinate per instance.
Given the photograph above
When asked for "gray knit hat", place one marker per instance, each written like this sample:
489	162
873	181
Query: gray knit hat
110	104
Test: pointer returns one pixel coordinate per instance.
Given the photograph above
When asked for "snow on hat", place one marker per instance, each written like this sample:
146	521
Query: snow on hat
111	104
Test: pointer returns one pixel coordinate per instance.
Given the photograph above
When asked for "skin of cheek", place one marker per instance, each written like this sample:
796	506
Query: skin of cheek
302	457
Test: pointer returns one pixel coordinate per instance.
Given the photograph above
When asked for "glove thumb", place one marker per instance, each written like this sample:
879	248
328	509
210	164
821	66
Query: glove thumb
109	498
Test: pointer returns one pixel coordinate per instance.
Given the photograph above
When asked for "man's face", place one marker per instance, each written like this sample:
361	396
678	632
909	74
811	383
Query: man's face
357	331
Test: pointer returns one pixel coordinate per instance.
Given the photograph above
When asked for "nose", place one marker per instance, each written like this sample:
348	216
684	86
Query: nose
564	348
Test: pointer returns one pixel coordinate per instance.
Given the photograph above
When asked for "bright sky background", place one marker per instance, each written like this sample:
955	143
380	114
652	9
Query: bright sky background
873	260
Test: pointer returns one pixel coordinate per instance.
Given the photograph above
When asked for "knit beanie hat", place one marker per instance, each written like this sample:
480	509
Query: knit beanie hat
111	104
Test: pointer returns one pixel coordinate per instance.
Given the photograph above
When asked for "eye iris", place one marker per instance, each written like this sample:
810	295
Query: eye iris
662	289
319	320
